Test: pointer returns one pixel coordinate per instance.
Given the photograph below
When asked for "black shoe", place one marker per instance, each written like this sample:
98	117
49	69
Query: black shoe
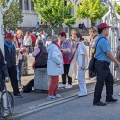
18	96
111	100
99	104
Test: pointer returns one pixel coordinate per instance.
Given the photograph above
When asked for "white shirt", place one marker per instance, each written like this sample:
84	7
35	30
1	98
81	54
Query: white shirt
81	52
27	41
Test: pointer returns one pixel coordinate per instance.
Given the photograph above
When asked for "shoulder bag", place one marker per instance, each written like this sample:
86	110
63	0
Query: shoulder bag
92	61
34	63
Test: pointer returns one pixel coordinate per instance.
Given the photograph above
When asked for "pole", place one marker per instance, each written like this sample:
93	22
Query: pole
1	33
2	10
5	112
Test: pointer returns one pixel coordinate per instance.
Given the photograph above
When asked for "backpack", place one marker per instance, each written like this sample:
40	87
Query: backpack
28	87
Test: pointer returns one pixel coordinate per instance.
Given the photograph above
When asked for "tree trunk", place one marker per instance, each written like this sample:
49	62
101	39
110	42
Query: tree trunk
53	31
68	34
93	23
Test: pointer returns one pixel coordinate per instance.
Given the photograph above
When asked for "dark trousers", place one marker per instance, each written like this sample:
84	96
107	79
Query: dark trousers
28	49
103	76
33	45
66	70
13	77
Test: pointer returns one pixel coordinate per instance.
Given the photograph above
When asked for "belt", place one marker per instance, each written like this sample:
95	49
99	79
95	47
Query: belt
103	61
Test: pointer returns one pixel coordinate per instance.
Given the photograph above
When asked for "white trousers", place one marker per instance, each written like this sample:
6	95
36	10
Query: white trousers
81	81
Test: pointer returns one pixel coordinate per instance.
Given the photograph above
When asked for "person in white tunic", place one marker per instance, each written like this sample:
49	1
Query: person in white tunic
80	57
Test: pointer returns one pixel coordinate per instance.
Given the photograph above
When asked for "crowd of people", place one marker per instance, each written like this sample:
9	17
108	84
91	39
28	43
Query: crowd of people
62	56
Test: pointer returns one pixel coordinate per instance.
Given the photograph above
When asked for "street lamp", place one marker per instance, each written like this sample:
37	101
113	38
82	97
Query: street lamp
2	10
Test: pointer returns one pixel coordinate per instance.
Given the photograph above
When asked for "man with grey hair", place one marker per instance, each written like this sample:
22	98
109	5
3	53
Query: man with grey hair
54	67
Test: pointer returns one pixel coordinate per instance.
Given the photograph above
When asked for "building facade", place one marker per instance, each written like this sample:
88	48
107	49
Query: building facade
30	17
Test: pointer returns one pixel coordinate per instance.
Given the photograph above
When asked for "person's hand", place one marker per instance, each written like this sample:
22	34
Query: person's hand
83	67
119	64
7	79
63	50
24	49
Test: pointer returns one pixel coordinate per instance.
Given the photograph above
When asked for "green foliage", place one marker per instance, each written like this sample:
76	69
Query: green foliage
91	9
55	12
117	8
3	2
12	16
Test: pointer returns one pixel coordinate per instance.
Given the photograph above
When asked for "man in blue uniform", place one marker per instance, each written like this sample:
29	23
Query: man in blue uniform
103	59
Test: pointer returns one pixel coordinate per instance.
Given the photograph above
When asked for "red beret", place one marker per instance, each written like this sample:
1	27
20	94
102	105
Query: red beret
9	35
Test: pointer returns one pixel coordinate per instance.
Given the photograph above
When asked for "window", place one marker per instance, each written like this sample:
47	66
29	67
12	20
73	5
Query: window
20	4
32	6
65	3
26	4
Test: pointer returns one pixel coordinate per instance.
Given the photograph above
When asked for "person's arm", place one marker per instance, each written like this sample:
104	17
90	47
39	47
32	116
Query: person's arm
82	53
68	48
4	68
106	48
55	57
36	51
112	58
66	51
83	62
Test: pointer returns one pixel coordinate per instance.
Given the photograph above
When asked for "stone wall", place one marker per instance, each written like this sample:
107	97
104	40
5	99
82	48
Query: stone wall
57	30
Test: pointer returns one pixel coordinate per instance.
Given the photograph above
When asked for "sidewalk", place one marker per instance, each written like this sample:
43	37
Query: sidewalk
33	96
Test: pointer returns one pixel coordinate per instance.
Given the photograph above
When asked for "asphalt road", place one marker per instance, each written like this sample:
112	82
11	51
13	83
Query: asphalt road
80	109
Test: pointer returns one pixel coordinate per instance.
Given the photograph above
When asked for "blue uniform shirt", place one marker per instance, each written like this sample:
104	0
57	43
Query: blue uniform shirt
103	46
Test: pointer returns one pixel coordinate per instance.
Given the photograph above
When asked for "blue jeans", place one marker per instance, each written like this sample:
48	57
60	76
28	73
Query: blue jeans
19	70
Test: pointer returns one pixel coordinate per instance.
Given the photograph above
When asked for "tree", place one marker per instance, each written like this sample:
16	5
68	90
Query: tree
12	16
117	8
55	12
91	9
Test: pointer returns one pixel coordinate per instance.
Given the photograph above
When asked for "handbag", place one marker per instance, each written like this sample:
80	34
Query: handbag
34	63
92	61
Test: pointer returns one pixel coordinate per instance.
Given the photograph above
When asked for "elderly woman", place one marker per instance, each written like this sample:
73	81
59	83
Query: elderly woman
40	55
67	54
93	37
54	67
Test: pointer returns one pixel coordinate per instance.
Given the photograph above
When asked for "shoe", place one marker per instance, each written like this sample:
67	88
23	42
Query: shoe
99	104
57	96
68	86
62	85
18	96
94	78
80	94
50	97
111	100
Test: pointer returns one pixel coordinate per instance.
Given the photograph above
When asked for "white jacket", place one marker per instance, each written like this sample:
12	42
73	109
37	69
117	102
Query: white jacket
55	61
